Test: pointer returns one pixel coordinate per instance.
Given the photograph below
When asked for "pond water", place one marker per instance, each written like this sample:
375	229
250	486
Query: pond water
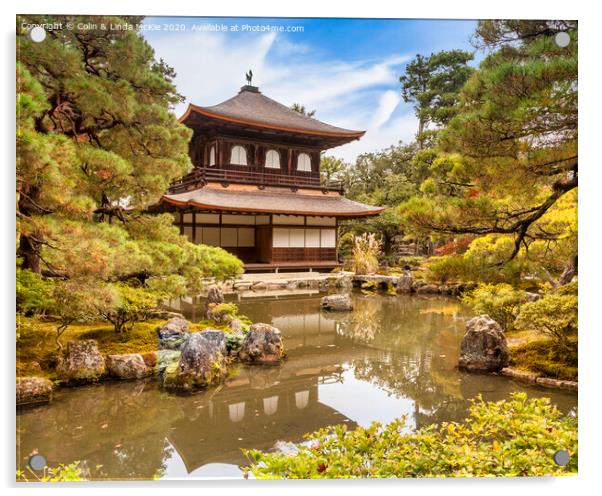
392	356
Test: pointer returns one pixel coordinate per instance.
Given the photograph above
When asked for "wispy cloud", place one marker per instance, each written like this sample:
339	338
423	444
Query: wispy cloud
356	94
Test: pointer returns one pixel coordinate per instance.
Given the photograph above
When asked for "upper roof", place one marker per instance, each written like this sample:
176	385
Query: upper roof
270	200
251	108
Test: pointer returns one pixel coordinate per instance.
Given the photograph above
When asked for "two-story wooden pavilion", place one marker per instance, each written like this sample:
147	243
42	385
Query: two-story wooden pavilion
255	189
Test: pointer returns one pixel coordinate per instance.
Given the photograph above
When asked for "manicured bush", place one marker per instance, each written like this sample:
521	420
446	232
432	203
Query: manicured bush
517	437
554	315
500	301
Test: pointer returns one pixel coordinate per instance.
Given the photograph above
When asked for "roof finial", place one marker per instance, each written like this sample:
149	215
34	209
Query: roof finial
249	76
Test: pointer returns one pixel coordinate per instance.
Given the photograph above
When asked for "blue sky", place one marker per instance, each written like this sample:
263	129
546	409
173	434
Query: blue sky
346	69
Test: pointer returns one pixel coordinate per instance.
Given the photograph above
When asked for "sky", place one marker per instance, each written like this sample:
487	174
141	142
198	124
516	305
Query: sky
346	69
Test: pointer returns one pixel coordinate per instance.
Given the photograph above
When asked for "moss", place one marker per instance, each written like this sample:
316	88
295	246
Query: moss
545	357
36	342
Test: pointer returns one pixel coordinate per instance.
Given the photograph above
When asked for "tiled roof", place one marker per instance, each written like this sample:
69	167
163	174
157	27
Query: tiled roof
253	108
271	201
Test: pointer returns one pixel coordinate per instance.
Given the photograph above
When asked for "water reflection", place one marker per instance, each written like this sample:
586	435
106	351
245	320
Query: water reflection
392	356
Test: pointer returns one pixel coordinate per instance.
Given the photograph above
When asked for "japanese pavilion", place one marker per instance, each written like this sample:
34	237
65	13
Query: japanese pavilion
255	189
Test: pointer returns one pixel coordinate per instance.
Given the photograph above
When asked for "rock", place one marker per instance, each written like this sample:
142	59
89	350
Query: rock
32	390
520	375
532	296
82	362
159	313
215	296
345	283
173	334
262	344
201	364
165	358
405	282
483	347
128	366
558	383
337	303
217	338
428	289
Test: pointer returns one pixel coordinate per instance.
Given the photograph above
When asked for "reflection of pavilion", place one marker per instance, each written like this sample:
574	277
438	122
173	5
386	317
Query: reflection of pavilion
242	416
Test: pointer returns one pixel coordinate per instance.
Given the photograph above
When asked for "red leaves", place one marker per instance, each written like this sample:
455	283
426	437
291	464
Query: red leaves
322	467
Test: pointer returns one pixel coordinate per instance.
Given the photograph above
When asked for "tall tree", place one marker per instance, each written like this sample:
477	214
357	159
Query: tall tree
511	150
432	84
96	145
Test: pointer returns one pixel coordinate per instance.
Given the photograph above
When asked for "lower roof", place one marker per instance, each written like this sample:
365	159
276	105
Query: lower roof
272	200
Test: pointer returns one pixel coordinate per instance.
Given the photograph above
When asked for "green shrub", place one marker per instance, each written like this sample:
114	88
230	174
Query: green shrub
517	437
33	293
130	304
234	341
554	315
61	473
500	301
447	268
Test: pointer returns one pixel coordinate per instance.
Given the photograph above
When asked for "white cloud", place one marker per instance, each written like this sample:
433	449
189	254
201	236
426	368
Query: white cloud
355	94
387	104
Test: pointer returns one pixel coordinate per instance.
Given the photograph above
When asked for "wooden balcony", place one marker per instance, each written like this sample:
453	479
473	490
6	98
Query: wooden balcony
250	175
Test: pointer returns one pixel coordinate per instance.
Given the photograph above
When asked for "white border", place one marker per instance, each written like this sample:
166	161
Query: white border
590	328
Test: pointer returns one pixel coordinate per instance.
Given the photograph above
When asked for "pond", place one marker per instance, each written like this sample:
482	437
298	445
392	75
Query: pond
392	356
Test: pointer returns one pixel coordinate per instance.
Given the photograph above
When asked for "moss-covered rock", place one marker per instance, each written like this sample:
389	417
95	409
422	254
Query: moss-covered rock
33	390
262	344
201	364
82	362
128	366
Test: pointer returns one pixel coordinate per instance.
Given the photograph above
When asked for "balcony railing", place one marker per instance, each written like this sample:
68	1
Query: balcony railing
202	175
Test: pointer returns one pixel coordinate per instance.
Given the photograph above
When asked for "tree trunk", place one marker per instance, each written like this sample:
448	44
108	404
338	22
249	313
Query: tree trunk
29	251
29	247
570	271
419	138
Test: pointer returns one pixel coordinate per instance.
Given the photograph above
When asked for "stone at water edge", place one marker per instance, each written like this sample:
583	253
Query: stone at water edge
262	344
128	366
337	303
201	364
32	390
82	362
173	333
215	296
404	283
428	289
483	347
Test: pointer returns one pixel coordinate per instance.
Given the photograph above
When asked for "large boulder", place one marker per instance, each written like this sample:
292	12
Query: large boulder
32	390
483	347
217	338
129	366
262	344
82	362
201	364
337	303
173	334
